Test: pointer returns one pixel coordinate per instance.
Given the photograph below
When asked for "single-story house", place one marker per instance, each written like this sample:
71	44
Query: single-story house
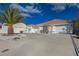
19	28
59	26
37	28
4	28
29	29
52	26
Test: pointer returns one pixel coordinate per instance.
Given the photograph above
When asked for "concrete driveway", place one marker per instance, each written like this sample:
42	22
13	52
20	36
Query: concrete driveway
41	45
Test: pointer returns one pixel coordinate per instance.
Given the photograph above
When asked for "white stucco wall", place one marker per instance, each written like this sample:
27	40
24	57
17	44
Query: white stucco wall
4	29
30	29
34	30
19	27
40	28
58	28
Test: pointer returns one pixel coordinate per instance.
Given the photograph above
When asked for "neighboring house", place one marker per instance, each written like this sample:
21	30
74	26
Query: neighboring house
28	29
52	26
59	26
19	28
3	28
37	28
33	29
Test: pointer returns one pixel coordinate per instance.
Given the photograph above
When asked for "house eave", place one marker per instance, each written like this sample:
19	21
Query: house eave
61	24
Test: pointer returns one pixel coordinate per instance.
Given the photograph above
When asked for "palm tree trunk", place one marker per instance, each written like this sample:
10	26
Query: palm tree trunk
10	29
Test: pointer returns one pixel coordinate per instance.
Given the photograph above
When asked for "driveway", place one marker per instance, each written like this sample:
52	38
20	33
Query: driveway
42	45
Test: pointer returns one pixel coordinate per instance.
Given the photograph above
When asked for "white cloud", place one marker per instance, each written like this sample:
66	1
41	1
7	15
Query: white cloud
31	9
24	14
58	6
21	9
27	9
62	6
18	6
74	4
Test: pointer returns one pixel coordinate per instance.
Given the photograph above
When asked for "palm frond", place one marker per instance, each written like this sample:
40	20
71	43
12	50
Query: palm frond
12	16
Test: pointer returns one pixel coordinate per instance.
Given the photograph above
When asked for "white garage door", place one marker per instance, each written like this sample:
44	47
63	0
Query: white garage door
59	29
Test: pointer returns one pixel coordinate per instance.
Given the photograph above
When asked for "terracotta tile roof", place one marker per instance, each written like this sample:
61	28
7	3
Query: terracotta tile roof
51	22
36	26
57	22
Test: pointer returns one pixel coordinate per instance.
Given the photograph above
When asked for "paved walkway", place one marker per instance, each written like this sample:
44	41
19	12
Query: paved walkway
40	45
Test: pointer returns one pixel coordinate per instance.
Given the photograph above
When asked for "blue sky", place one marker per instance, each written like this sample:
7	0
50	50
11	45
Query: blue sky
42	12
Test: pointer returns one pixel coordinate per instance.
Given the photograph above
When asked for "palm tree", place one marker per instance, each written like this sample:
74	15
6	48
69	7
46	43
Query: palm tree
11	16
77	24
